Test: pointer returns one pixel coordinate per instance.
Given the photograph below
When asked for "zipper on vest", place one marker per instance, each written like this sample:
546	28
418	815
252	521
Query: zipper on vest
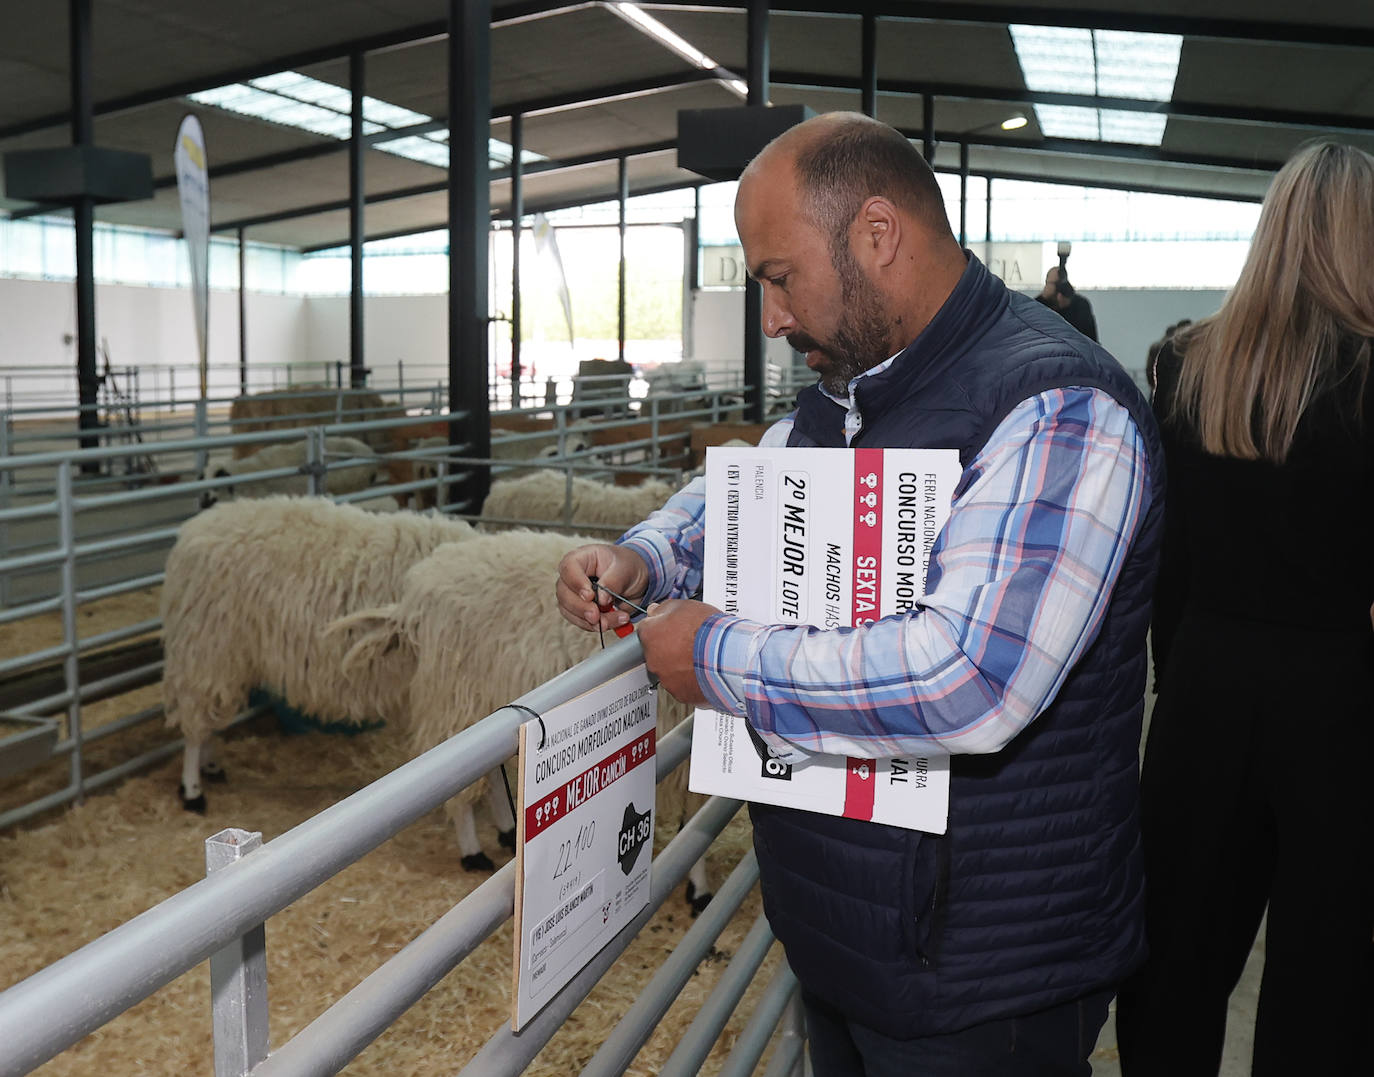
935	914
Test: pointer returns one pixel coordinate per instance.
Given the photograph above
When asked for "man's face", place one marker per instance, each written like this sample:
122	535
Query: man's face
826	307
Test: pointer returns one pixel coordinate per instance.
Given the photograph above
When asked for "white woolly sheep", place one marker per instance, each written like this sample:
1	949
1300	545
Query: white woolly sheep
481	621
341	480
251	586
541	496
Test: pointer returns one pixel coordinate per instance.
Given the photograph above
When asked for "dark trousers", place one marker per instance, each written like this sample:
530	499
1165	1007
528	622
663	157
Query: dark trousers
1052	1043
1256	791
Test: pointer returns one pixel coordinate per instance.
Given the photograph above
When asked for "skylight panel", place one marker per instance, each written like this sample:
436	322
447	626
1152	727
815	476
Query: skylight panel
297	100
1140	128
417	148
1142	66
1106	63
1058	59
389	115
1068	121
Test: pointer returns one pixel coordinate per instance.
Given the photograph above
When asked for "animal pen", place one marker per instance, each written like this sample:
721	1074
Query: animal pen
82	541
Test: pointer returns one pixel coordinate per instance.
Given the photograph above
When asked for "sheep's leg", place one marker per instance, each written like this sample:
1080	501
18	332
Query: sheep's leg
699	893
192	796
499	805
210	767
473	859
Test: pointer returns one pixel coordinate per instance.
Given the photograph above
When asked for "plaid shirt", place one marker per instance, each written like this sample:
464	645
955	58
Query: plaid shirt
1020	578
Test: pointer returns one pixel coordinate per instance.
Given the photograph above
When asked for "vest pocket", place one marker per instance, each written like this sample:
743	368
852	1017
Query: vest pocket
930	877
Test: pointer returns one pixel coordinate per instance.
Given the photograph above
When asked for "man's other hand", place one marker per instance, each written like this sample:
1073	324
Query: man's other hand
620	569
668	635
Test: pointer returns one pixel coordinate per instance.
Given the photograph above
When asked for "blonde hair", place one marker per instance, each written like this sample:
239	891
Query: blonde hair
1249	371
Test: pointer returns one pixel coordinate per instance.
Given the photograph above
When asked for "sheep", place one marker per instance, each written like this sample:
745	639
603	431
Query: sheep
541	496
249	588
342	480
311	405
481	622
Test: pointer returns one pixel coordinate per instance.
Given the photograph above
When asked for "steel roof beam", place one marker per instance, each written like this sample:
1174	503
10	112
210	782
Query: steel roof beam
407	35
1191	110
1087	18
531	168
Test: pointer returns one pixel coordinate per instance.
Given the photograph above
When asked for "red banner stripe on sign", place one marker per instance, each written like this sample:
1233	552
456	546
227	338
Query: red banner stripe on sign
577	791
859	780
868	534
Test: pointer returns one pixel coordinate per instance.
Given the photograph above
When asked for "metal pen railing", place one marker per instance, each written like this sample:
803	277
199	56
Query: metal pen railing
221	918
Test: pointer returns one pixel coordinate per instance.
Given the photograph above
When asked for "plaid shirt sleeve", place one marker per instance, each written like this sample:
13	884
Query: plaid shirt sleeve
1019	582
670	540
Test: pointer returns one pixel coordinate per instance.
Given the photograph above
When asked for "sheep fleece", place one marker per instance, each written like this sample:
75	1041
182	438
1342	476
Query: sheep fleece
482	622
250	587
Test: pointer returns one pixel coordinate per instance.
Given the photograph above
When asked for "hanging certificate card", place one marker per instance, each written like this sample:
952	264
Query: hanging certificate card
586	826
831	538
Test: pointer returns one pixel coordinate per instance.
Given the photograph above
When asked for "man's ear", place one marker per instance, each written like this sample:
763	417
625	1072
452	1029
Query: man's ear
879	231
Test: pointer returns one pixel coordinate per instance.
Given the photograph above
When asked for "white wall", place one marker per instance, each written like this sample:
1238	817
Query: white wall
1130	320
718	329
412	328
144	327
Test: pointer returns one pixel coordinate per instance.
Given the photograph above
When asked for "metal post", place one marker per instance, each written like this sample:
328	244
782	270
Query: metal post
238	973
357	370
83	213
469	222
987	227
6	478
753	296
202	431
928	125
963	195
869	74
243	314
517	215
315	461
71	666
756	70
623	196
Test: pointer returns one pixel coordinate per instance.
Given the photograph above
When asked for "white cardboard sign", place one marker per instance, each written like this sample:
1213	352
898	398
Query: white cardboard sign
832	538
586	826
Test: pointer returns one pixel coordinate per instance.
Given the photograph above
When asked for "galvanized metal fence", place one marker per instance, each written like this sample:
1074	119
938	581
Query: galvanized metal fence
221	919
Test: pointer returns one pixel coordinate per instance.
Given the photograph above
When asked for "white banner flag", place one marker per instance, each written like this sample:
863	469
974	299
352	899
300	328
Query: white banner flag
193	185
546	243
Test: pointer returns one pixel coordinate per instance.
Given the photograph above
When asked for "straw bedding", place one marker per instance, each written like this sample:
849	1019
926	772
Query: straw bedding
84	871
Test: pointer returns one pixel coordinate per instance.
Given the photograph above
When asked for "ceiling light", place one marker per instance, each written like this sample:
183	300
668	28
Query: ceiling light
651	26
1012	123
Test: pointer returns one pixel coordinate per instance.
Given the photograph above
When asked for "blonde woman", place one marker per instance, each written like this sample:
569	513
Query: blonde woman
1256	791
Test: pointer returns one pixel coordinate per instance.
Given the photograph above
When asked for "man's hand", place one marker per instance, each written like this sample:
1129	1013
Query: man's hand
667	636
620	569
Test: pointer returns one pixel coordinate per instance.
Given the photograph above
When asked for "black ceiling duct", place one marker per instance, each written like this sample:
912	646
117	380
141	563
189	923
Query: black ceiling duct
718	142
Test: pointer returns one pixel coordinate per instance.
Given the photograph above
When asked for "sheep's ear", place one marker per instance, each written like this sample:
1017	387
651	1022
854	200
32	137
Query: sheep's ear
220	473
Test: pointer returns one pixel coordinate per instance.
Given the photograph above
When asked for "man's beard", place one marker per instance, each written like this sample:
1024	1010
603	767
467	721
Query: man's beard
860	341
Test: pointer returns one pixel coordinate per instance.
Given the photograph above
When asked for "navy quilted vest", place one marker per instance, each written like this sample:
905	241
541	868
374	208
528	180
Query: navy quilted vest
1034	895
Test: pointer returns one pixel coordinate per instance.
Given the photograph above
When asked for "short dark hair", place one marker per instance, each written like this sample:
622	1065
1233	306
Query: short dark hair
857	159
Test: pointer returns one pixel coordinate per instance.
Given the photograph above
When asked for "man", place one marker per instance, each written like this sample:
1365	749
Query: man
994	948
1060	296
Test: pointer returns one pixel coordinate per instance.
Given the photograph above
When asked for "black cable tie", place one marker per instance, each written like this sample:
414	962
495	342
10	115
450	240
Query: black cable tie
536	716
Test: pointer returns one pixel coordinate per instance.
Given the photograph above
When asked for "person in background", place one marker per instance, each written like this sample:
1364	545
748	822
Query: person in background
995	948
1152	355
1059	295
1256	789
